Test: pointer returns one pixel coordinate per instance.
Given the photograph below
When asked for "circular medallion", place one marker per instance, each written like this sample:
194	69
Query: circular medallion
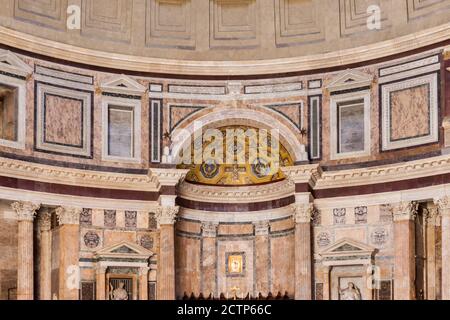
261	168
209	169
91	240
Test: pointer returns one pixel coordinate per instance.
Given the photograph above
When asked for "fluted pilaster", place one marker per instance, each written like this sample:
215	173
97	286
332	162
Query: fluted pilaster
303	214
166	217
26	212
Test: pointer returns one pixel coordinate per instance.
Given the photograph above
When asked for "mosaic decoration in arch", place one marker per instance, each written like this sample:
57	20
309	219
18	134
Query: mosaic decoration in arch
254	171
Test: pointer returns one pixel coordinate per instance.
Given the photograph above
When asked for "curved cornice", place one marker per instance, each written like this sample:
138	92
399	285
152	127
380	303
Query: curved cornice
82	178
337	58
257	193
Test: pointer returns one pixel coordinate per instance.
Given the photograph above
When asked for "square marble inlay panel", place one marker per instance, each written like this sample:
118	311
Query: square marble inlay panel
63	120
410	112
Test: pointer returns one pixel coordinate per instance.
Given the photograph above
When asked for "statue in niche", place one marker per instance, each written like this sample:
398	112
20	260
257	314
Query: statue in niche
350	293
119	293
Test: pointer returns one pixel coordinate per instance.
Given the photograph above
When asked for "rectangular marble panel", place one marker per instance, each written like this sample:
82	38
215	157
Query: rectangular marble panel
63	121
120	132
410	112
351	126
8	113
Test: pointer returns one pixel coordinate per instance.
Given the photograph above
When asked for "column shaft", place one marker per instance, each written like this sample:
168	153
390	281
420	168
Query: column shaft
45	266
262	258
25	277
166	264
303	264
404	261
446	255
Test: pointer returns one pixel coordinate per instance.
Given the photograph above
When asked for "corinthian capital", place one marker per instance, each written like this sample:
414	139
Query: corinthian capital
443	205
303	213
166	215
68	216
26	211
45	220
406	210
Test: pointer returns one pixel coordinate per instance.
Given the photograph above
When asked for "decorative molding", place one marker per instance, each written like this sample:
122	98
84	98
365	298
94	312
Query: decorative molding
123	84
304	174
166	215
443	205
11	63
168	177
245	194
341	58
405	211
26	211
68	216
209	229
262	228
45	220
303	213
381	174
350	79
347	252
76	177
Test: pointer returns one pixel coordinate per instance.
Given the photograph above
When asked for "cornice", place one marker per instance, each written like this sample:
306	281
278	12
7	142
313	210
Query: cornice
67	176
168	177
337	58
394	172
245	194
304	173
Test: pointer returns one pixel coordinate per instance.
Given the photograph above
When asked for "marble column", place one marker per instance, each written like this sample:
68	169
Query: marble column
303	257
208	273
432	222
262	230
45	281
143	283
69	242
166	217
444	210
26	212
404	243
100	283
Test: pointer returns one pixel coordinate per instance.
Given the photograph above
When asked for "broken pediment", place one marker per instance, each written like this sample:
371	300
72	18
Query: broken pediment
123	85
350	79
11	63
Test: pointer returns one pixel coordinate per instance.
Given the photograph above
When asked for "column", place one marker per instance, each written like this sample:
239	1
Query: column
100	283
208	272
166	217
444	210
432	221
262	243
26	211
143	283
303	258
404	243
45	256
69	242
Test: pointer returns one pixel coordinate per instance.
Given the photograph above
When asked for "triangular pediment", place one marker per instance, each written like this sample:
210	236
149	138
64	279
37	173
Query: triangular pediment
347	246
124	248
11	63
123	84
350	79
